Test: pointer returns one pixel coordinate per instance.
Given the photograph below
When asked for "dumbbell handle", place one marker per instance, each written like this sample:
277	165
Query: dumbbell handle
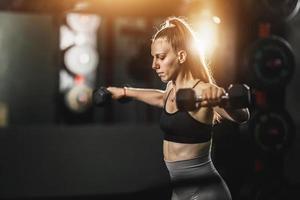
223	98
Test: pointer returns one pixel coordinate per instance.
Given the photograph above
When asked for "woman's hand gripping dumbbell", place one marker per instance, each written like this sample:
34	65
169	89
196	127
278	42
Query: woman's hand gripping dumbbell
238	96
103	96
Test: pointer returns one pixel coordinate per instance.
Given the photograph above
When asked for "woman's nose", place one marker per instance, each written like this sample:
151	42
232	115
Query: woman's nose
155	65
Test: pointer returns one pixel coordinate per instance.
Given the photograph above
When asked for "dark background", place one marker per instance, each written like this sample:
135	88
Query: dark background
116	152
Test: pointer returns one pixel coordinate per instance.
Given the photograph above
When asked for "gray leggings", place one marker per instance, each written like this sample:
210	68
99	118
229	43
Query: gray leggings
197	179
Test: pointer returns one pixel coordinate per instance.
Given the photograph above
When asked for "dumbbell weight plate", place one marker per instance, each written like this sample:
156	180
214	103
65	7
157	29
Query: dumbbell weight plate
240	96
185	99
78	98
273	130
101	96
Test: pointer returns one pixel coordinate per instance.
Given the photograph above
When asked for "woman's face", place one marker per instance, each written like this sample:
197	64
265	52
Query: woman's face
165	60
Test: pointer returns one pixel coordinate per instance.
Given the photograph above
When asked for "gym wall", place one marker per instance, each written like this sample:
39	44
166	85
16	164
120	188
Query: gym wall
292	101
28	68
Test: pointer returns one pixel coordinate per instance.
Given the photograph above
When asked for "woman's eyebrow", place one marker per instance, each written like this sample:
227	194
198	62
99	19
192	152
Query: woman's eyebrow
160	53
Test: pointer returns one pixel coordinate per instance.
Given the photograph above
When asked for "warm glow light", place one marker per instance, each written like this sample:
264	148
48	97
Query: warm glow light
207	35
206	26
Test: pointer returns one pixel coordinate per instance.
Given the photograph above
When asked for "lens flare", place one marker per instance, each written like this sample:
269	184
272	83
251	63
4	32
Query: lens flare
207	34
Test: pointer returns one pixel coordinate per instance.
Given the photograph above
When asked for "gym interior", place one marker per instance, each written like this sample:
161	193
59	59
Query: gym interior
57	143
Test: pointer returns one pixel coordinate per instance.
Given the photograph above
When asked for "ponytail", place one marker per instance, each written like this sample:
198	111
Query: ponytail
181	37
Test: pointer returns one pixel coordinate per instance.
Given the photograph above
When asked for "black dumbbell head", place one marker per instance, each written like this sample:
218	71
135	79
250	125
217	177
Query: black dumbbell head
101	96
186	99
239	96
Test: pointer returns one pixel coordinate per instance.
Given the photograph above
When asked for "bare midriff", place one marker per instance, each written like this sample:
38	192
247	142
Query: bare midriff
178	151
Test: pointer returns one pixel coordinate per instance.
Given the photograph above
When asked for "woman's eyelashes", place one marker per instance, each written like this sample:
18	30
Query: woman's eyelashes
160	56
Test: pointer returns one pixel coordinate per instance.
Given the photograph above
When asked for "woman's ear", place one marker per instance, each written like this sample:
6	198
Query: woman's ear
182	56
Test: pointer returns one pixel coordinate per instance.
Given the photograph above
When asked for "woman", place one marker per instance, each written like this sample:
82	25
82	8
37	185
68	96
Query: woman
187	138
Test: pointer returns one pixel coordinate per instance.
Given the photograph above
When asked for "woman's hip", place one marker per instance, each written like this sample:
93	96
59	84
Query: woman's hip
197	179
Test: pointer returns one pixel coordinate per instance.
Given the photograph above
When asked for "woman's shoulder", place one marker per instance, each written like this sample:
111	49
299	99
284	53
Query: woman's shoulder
198	86
169	86
204	85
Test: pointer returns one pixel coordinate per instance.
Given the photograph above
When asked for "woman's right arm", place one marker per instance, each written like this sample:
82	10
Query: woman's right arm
152	97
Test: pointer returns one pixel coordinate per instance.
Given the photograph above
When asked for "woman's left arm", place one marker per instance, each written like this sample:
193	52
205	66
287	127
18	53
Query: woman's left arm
236	115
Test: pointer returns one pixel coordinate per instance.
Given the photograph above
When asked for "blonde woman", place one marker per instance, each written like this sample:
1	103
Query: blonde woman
187	135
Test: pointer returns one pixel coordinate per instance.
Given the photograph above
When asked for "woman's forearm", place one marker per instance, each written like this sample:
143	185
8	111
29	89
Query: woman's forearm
152	97
239	115
236	115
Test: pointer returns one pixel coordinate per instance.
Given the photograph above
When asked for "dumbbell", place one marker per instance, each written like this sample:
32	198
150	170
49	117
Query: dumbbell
237	96
102	97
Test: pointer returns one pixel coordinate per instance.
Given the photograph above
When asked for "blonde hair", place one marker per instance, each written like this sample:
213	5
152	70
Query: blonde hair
181	37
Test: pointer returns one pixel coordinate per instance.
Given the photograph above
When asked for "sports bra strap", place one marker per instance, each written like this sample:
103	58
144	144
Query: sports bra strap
196	83
173	88
167	98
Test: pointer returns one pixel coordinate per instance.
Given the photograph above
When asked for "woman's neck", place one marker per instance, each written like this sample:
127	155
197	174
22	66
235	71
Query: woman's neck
184	80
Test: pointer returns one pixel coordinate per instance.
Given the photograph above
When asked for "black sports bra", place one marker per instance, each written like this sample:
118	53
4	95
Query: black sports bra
181	127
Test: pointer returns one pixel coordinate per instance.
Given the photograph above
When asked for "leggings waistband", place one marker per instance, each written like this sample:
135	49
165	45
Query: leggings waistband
190	163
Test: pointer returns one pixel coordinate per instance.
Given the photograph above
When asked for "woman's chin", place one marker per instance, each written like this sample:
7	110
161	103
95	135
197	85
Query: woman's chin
163	79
